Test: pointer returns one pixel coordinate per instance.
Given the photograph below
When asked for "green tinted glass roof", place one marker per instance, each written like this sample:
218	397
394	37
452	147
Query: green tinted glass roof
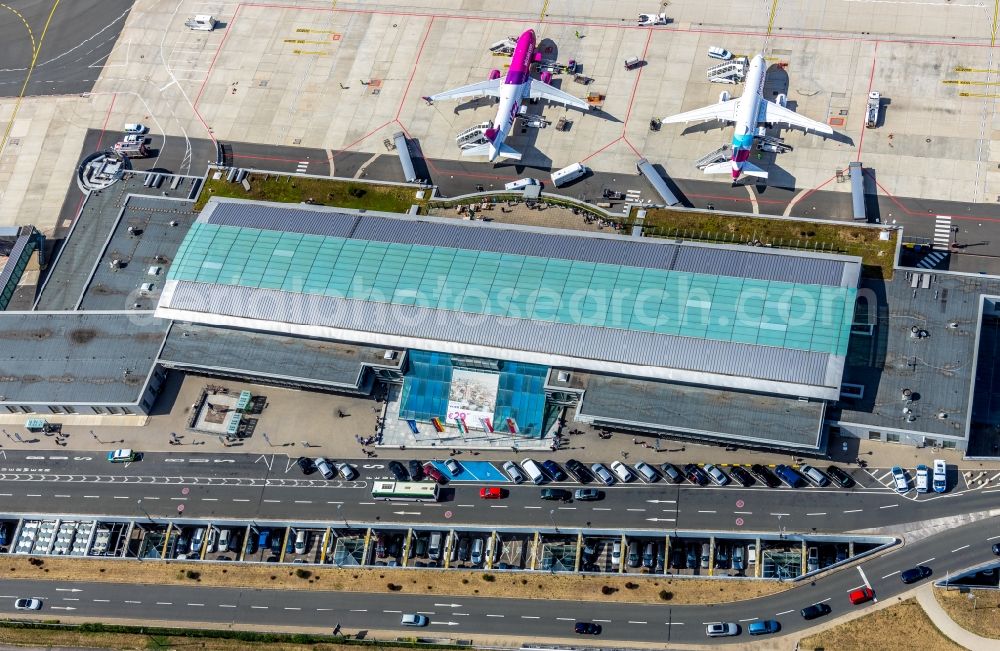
723	308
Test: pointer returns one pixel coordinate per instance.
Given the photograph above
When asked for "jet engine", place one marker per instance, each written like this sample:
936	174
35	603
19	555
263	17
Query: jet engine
780	100
546	77
494	74
724	96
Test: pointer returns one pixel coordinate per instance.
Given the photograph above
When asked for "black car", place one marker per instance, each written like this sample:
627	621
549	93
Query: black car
398	471
695	475
915	574
554	470
671	472
613	194
556	494
742	476
307	465
578	470
814	611
838	475
996	548
587	628
765	476
416	470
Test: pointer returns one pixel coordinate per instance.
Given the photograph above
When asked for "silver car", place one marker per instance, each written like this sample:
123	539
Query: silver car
717	475
514	472
602	473
722	629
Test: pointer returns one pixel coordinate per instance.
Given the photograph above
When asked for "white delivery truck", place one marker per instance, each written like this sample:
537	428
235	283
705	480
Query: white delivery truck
201	23
568	174
871	112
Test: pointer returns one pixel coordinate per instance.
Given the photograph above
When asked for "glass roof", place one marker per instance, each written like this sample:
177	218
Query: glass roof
724	308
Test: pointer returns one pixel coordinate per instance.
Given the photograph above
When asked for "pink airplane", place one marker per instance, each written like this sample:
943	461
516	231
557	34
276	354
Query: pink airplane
512	91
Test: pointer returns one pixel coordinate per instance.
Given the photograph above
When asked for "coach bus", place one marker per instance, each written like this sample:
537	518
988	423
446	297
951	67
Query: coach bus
406	490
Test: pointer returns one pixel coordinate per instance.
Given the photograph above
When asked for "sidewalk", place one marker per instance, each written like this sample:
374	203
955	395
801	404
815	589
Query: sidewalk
311	423
945	624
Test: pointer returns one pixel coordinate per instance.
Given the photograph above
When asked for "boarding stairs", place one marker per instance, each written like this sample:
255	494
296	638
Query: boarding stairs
721	154
730	72
473	136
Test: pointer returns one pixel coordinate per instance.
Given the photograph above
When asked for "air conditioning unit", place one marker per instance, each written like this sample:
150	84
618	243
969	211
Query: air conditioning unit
145	288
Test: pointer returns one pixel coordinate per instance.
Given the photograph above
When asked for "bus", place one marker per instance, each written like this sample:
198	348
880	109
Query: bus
406	490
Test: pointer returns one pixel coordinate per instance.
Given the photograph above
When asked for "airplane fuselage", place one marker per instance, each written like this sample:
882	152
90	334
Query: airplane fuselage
515	86
747	114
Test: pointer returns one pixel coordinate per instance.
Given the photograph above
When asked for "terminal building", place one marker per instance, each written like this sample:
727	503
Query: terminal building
504	329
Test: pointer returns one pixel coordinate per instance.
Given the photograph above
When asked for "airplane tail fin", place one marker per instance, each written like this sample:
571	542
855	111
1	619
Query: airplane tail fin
752	170
724	167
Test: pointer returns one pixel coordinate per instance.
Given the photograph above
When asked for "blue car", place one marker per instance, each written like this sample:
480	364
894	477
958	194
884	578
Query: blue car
765	627
790	476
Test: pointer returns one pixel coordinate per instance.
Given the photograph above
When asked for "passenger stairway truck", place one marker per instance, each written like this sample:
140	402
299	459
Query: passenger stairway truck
723	153
473	136
730	72
874	104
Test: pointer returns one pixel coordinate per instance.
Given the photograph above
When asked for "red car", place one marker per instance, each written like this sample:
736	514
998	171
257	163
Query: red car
491	493
861	595
434	473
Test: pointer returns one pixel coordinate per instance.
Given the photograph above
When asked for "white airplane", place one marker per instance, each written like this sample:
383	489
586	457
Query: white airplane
747	111
512	91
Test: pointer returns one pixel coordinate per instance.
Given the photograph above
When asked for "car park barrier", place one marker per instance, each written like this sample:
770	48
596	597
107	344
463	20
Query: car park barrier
579	551
166	541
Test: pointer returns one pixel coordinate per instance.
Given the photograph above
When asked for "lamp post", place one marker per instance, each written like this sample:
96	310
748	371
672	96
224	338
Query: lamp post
143	509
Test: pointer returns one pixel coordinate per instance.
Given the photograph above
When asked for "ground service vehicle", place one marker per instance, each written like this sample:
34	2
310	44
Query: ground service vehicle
568	174
871	111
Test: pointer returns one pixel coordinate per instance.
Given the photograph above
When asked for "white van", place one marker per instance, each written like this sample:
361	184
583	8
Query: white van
534	471
197	539
434	548
720	53
751	553
568	174
225	536
300	542
520	184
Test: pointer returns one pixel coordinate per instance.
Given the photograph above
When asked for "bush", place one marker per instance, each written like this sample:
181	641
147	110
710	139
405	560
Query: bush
666	595
489	578
608	590
631	586
303	573
394	587
191	574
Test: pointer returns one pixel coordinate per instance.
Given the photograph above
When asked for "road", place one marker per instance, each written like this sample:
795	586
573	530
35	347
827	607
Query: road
233	488
947	552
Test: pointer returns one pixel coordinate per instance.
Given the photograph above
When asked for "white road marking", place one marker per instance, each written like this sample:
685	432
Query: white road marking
121	497
927	561
530	617
749	619
538	507
598	508
631	621
227	606
133	602
735	512
33	495
706	511
425	612
303	501
824	513
637	510
240	500
91	497
460	614
164	603
893	574
259	607
674	623
322	609
200	605
209	499
62	495
392	611
889	506
489	615
103	601
854	511
272	501
603	621
784	612
960	548
863	577
565	619
498	506
360	610
781	514
992	538
292	608
571	508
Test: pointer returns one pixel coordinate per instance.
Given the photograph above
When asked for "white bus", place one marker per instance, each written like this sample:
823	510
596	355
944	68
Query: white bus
406	490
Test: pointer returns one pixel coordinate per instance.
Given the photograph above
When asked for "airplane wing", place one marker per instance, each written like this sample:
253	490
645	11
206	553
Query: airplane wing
776	113
491	87
541	90
724	111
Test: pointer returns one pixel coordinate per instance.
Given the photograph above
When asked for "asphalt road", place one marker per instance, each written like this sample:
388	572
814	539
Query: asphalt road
77	41
953	550
234	488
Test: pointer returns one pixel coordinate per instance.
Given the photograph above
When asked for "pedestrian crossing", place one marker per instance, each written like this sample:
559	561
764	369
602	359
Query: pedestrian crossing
303	166
942	232
932	260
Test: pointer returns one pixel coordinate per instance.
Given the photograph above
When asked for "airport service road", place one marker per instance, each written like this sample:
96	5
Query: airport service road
271	487
953	550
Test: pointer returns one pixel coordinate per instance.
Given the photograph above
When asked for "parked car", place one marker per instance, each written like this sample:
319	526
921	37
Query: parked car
739	558
814	611
622	471
649	556
691	559
514	472
251	546
431	471
923	479
306	465
900	480
602	473
721	556
578	470
940	476
789	475
491	493
996	549
695	475
633	554
213	538
814	475
324	468
742	476
556	494
764	627
647	472
843	479
861	595
347	471
616	553
915	574
398	471
716	474
722	629
416	470
553	470
28	604
719	53
587	628
706	555
453	467
764	475
671	472
588	494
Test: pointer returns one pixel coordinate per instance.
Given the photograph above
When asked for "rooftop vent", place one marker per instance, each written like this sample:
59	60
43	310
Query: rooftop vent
942	415
907	394
389	354
918	333
563	376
